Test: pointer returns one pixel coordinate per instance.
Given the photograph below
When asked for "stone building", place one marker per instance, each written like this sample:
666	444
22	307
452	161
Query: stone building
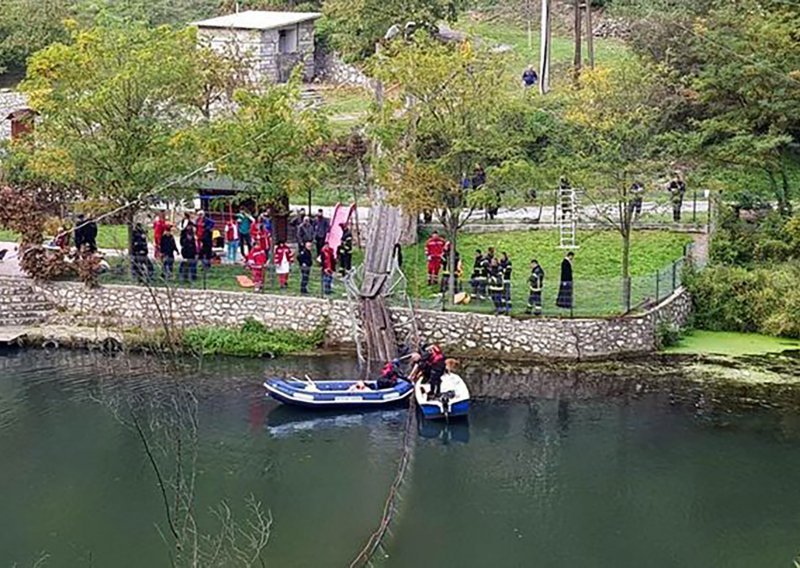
11	103
273	42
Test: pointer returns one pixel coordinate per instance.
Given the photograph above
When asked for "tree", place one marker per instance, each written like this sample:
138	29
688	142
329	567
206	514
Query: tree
112	106
447	115
27	26
269	143
355	26
610	140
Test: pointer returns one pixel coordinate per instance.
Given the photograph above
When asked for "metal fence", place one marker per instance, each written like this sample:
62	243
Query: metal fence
591	297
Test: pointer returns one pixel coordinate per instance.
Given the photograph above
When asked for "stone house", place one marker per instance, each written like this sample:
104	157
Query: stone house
272	42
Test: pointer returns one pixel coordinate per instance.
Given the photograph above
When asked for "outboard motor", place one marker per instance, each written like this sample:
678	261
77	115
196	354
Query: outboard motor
445	399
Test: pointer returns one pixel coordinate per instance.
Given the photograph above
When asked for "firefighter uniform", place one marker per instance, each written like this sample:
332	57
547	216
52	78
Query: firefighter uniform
495	285
535	284
506	267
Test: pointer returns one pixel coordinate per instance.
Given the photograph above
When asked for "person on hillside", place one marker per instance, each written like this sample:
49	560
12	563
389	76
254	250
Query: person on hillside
434	249
305	232
231	239
167	249
635	203
283	262
535	286
142	267
529	77
327	262
306	261
345	250
677	190
430	366
245	222
256	262
188	266
159	226
495	285
565	288
506	268
321	228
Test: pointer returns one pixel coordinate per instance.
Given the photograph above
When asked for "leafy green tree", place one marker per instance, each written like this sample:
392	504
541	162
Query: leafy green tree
269	143
446	115
27	26
355	26
112	108
610	140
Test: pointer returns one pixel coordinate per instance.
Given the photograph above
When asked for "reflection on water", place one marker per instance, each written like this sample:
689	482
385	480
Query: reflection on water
570	469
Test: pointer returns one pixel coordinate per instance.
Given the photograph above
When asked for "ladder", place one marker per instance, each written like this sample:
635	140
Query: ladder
567	217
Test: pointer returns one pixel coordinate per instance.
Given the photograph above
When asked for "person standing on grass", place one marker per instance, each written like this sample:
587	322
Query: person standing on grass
256	262
535	285
305	232
283	262
321	228
295	223
434	249
159	226
327	262
245	222
231	239
506	268
142	267
345	250
495	285
306	261
529	77
167	250
90	235
188	266
565	289
205	226
677	189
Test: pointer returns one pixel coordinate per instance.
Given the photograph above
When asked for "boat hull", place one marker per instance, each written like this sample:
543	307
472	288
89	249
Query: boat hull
453	403
335	395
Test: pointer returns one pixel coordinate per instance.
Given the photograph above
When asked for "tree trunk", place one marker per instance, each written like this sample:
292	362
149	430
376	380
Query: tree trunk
626	269
578	30
451	260
408	234
589	34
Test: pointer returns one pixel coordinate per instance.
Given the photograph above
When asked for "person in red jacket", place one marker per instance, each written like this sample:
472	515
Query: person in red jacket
256	261
434	249
159	226
327	261
283	262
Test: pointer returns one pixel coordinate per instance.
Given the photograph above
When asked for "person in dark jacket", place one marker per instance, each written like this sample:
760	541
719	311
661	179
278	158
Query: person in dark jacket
345	250
535	286
431	366
478	279
206	240
565	288
529	77
188	267
321	228
327	261
306	261
495	285
167	248
90	235
141	265
305	232
506	268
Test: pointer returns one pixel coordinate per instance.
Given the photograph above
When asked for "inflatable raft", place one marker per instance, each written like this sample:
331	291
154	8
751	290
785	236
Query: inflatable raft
453	400
336	394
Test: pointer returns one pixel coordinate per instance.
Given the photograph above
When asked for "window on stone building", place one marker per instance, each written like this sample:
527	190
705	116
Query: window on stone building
287	40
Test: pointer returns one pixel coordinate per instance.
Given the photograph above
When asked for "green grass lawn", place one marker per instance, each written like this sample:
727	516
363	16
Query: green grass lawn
598	286
108	236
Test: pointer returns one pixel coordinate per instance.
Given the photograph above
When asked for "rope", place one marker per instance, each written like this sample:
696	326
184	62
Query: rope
390	505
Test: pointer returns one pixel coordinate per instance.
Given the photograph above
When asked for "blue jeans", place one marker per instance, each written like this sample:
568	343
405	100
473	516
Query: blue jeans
188	270
327	284
233	247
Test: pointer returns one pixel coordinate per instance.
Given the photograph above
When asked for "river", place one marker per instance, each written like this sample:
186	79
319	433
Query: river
579	475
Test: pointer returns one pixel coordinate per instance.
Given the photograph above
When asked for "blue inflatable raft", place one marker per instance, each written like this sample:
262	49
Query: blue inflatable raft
336	394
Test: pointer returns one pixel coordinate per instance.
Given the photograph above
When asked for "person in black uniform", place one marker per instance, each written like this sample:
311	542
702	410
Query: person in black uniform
495	285
477	279
506	267
431	365
565	290
306	260
188	267
345	250
168	249
535	285
142	267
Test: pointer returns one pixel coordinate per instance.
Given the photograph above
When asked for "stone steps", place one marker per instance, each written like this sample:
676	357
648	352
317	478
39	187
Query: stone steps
21	304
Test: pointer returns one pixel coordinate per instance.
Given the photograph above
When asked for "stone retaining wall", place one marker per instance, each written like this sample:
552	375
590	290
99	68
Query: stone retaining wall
459	333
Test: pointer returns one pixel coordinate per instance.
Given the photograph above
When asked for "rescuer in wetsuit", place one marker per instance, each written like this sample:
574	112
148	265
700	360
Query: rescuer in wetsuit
431	365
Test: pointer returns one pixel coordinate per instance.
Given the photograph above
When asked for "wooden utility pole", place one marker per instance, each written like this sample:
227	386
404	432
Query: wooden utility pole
544	50
578	30
589	34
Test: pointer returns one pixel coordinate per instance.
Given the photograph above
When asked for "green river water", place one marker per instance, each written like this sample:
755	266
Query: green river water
553	469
